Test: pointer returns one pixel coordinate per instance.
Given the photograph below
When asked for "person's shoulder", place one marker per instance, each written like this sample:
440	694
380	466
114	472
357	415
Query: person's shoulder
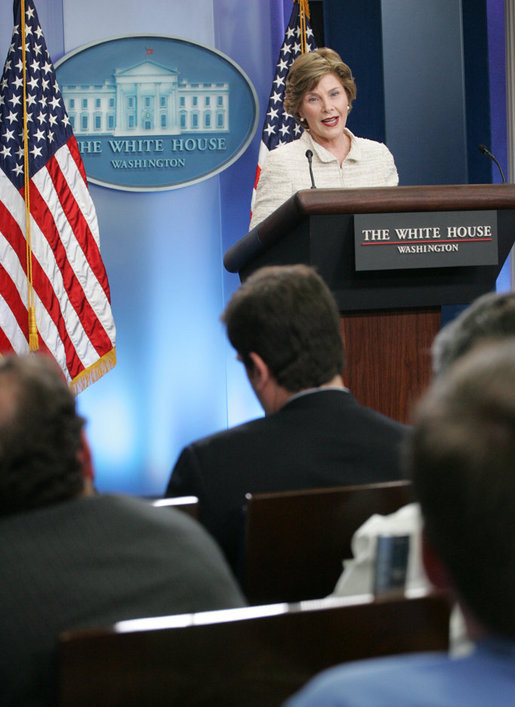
121	507
183	546
286	151
124	506
351	406
158	522
378	418
228	436
203	458
375	681
369	145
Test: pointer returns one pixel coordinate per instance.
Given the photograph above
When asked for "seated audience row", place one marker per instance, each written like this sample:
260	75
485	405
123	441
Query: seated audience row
74	558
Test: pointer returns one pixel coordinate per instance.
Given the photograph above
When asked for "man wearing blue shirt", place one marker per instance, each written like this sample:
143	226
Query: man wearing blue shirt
461	457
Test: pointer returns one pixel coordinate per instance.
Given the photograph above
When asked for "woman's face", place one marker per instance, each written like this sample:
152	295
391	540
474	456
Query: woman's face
325	109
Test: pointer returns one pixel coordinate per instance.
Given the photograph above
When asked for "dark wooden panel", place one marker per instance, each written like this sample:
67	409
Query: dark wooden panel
388	361
295	541
234	658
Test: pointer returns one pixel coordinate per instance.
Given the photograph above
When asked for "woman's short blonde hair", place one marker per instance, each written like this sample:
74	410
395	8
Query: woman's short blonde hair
305	73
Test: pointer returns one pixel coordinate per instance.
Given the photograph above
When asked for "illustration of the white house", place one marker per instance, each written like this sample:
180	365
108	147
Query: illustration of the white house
147	99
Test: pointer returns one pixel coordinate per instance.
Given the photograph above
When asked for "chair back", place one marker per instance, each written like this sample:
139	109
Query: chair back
295	541
254	656
186	504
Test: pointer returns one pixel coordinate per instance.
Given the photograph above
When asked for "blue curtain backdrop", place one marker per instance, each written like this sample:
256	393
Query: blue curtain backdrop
176	377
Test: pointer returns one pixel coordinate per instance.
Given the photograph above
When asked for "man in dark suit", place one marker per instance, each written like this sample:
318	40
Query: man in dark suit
285	327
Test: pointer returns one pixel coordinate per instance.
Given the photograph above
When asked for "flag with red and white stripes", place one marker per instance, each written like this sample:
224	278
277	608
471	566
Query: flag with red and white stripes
54	291
279	126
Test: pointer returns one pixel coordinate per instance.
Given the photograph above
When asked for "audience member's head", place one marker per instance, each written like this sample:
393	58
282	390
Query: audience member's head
490	317
462	456
42	449
287	318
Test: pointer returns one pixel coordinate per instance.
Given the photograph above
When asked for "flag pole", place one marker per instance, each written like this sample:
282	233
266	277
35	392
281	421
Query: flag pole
304	12
33	330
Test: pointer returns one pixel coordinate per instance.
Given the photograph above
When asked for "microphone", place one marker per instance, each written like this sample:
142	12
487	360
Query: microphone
484	149
309	155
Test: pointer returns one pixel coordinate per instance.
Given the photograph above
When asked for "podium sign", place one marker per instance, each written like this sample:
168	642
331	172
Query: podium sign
431	239
424	247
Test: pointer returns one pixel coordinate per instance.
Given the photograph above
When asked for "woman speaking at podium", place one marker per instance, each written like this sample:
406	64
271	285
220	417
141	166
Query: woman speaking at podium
320	89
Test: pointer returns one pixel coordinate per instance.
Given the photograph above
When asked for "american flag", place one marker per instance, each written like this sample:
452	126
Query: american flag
280	127
51	270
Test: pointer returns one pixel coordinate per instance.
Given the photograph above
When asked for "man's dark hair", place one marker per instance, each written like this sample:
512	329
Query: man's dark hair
287	315
490	317
461	457
40	435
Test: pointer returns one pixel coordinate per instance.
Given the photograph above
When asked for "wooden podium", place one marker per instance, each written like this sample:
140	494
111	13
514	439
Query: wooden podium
388	317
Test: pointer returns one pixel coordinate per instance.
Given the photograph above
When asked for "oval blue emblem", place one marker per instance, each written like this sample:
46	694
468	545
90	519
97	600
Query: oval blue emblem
155	112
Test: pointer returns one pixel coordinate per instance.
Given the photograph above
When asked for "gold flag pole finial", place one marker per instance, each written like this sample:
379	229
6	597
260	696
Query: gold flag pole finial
304	12
33	329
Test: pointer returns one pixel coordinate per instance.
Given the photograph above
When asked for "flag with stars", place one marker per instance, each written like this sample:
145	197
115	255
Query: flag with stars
54	292
280	127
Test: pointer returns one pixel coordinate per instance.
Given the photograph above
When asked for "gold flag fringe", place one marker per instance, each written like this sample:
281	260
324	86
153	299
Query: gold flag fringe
304	7
33	329
94	372
304	12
